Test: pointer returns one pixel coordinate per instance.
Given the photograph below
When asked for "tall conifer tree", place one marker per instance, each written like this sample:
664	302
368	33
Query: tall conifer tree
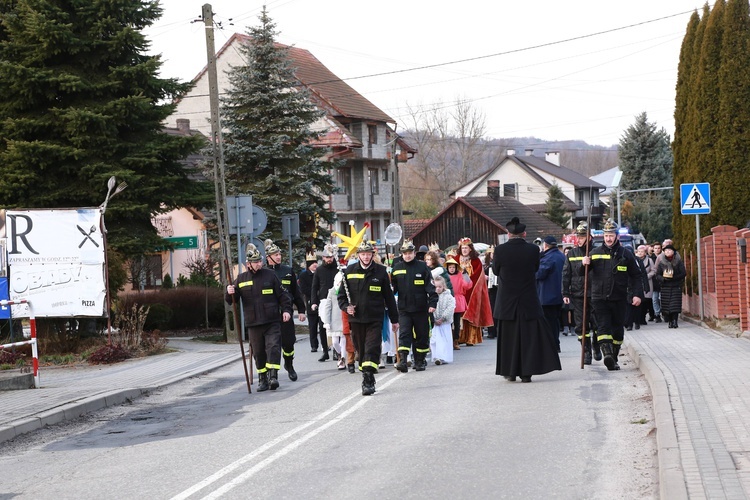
269	144
80	101
645	159
555	207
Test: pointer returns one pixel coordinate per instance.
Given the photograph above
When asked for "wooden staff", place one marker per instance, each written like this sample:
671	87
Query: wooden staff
585	290
237	325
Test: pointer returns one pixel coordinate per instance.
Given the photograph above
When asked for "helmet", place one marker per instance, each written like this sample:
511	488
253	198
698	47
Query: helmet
252	253
365	246
271	247
582	229
610	226
407	246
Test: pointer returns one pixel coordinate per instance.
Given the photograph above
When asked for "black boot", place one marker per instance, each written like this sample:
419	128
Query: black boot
675	317
273	379
262	381
368	383
401	365
325	356
609	356
420	361
658	318
616	352
587	352
597	351
350	367
289	367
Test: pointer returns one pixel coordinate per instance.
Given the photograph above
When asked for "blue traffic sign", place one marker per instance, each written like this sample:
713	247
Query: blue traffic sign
695	198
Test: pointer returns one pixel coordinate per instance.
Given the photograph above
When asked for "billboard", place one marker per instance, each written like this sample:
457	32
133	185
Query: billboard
56	261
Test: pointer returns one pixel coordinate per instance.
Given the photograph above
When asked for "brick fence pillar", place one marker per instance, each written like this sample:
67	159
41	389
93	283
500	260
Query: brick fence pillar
725	265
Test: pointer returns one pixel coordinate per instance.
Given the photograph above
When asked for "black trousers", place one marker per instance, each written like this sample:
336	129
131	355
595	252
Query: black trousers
323	336
368	340
414	330
312	324
610	320
288	338
266	342
578	318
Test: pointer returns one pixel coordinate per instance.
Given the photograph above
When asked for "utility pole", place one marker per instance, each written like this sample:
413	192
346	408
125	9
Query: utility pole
397	213
222	222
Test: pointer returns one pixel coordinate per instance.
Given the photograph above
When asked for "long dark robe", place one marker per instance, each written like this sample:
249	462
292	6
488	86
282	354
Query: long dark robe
525	346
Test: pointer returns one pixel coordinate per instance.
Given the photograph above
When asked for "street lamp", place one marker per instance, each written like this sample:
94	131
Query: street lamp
103	207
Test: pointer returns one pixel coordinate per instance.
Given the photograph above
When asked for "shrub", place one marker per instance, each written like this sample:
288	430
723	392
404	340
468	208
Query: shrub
110	353
130	322
159	317
153	342
188	305
12	358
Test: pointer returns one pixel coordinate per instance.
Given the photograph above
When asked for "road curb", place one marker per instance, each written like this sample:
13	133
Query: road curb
107	399
671	475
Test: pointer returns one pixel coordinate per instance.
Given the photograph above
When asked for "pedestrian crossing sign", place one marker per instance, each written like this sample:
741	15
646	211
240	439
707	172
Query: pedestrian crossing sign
695	198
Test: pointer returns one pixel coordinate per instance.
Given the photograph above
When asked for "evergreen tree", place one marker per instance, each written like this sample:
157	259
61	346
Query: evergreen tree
79	102
269	146
555	207
646	163
683	135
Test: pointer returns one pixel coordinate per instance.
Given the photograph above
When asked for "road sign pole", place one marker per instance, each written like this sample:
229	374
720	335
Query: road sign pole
700	274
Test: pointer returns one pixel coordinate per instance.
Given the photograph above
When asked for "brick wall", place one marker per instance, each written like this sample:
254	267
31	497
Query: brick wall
726	279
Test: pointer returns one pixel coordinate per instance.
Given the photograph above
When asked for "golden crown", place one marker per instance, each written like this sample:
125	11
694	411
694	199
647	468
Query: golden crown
434	247
464	241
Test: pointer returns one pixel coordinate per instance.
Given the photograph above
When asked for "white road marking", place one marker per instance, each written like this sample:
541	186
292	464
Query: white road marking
273	443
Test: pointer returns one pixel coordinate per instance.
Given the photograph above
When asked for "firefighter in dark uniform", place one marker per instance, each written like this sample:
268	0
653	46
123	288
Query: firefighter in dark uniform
573	290
412	282
266	306
289	284
615	280
365	295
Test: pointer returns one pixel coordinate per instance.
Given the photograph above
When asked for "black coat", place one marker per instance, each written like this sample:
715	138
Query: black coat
263	298
322	282
515	263
573	278
370	290
614	274
671	288
412	282
289	284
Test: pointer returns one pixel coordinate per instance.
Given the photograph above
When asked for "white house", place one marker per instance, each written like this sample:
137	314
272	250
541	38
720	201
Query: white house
527	179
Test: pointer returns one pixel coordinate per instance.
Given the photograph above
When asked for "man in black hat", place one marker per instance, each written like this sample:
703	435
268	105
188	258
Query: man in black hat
423	249
549	285
524	347
266	306
364	295
321	283
615	280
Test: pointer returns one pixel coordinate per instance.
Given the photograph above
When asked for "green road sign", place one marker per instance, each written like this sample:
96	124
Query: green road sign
183	242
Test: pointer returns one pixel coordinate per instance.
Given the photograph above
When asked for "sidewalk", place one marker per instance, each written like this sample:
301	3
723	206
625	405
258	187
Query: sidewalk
700	382
699	379
67	393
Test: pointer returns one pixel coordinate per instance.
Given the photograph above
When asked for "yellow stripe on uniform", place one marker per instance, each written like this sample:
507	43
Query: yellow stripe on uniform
419	282
399	271
355	276
245	283
370	364
601	256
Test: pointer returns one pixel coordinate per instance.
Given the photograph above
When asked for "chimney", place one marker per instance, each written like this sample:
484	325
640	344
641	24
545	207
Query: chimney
493	190
510	152
529	151
183	125
553	157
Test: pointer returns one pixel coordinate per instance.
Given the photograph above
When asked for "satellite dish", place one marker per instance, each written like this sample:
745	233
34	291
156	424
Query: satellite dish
393	234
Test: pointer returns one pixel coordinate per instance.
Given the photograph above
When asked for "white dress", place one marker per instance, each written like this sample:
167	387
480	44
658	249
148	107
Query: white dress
441	340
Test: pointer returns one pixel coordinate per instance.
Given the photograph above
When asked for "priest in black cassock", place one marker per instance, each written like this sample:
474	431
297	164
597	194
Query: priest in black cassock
525	346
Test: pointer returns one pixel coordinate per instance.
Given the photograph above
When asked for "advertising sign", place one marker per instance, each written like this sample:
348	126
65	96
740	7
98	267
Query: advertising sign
56	261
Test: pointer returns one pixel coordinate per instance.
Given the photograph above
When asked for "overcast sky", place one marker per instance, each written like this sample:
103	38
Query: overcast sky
555	70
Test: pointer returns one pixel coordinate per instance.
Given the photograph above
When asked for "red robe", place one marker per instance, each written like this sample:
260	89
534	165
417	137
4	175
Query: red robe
478	310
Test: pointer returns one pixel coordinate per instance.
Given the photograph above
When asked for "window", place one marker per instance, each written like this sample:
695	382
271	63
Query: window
375	230
581	199
385	175
344	180
509	190
372	134
374	181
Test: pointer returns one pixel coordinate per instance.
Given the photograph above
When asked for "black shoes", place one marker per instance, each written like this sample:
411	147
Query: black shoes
289	367
368	384
350	368
587	358
510	379
325	356
525	379
658	319
273	379
597	353
637	326
262	381
402	366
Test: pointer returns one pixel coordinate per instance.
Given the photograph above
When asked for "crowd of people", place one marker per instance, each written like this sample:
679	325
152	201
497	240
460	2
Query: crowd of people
425	304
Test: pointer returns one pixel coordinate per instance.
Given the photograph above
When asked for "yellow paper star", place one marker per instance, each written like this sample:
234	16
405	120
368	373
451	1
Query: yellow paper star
353	241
